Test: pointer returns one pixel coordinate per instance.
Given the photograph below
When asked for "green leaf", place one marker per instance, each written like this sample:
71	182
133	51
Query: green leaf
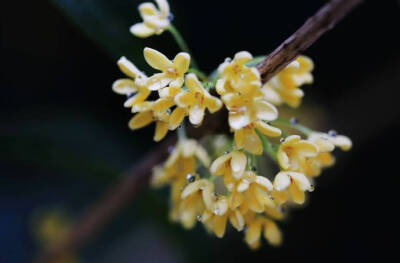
107	24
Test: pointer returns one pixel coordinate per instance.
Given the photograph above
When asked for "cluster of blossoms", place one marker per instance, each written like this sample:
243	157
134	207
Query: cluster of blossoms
232	186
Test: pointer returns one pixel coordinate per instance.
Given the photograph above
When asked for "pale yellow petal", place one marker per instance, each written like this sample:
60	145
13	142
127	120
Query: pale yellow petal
238	120
307	149
142	30
158	81
218	166
147	9
267	129
252	143
161	130
264	182
283	159
238	164
301	181
242	57
212	103
140	120
176	118
296	194
253	232
124	86
220	225
272	233
202	155
129	69
239	138
266	111
192	188
343	142
182	62
196	114
156	59
177	83
184	99
163	6
281	181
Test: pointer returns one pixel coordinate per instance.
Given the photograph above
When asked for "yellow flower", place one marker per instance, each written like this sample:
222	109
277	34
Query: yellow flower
215	220
254	192
255	225
135	87
155	21
172	72
247	138
147	115
231	164
284	87
291	185
193	102
314	165
327	142
181	162
293	152
235	75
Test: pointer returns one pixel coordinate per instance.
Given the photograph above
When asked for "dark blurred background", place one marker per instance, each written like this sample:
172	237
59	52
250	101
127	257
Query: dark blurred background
64	138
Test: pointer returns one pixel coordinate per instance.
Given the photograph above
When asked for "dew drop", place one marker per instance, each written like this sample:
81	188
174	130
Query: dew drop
228	60
226	152
199	217
170	149
281	140
244	229
216	211
332	133
294	121
168	111
170	17
312	188
190	178
253	168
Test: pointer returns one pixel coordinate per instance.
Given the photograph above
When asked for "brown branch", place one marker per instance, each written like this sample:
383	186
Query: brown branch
324	20
137	178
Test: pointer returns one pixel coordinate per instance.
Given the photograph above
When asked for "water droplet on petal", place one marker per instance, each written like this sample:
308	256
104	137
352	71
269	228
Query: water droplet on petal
199	217
170	17
226	152
281	140
312	188
332	133
294	121
190	178
253	168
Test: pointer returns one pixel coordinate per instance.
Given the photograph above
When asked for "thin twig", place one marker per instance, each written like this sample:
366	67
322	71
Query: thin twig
324	20
137	178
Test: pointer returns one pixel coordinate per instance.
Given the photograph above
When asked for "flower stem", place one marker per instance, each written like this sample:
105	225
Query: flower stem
182	44
182	132
268	147
307	131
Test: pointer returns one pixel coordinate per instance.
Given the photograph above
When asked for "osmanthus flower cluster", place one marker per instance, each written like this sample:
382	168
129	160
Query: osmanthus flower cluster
265	169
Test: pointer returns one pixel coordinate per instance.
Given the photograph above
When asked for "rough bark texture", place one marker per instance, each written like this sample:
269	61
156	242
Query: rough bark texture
324	20
138	177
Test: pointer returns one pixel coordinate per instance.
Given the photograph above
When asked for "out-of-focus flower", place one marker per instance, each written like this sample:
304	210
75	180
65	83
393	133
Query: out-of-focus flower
294	151
256	225
231	164
284	87
155	21
172	72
